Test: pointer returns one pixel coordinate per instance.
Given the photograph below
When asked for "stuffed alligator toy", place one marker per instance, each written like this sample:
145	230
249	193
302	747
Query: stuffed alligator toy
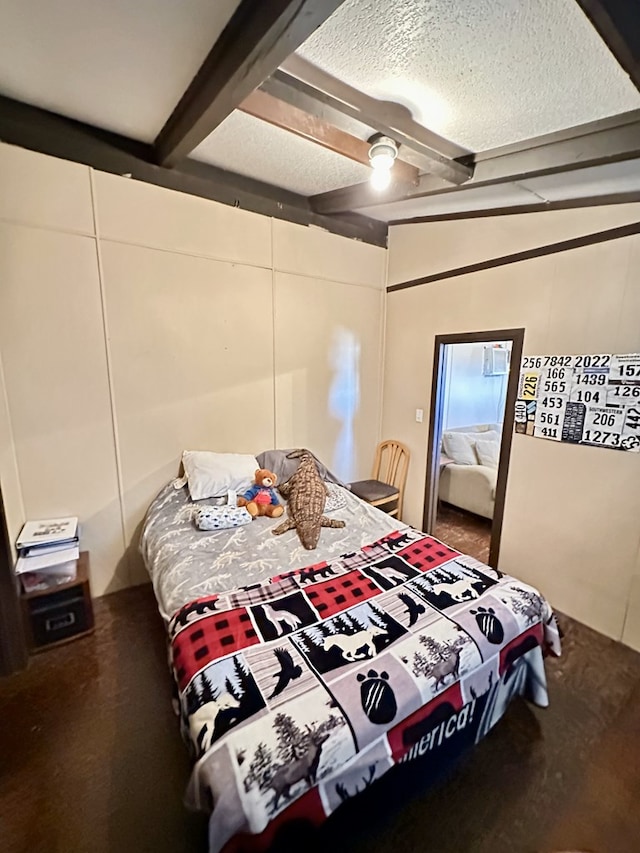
305	493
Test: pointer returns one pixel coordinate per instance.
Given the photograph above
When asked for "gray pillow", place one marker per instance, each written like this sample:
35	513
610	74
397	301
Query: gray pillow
284	468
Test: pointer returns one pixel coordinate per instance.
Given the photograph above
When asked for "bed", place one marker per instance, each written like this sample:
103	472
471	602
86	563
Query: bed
303	677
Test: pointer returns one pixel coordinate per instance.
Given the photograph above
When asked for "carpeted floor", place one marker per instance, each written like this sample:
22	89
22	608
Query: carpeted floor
91	760
465	531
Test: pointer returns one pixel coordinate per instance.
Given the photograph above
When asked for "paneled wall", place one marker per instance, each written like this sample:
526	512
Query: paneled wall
136	322
571	524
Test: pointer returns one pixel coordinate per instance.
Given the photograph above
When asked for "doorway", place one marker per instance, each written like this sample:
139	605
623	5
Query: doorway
474	389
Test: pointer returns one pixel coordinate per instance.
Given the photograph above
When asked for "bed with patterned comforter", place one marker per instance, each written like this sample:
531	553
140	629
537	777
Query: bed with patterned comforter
299	691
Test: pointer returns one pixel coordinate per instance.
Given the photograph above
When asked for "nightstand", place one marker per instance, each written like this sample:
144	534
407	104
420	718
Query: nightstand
61	613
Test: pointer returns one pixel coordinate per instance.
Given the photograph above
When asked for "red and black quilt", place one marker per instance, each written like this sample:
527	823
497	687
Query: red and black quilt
298	692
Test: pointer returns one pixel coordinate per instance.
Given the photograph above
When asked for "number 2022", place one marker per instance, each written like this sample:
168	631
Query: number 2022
592	360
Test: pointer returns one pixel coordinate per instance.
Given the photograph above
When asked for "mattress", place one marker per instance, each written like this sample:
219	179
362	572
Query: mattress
185	563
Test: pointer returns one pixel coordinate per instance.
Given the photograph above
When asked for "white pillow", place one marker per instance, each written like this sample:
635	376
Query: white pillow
211	475
488	452
459	447
488	435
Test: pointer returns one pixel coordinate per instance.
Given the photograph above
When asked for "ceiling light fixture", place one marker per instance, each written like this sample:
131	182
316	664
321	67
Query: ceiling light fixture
382	155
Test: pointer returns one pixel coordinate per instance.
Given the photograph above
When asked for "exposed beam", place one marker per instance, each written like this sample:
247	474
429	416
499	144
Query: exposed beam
280	114
610	140
631	197
300	83
49	133
364	195
618	24
257	39
285	88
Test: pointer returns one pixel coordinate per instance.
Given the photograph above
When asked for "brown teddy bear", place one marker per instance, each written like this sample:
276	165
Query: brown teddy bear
262	498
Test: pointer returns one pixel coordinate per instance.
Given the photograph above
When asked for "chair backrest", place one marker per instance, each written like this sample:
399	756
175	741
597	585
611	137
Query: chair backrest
391	465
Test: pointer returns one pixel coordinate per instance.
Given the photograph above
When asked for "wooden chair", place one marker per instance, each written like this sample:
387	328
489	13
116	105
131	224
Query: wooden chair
388	479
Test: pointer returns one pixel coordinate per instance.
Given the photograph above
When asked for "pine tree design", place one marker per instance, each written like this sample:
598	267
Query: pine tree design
208	692
443	576
292	743
332	722
260	769
528	604
437	653
193	698
377	618
232	690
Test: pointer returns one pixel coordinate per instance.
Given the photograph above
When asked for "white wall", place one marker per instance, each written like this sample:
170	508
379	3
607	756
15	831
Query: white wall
571	516
470	396
136	321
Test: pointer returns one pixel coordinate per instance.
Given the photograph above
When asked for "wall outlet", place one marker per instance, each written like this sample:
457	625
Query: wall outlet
419	416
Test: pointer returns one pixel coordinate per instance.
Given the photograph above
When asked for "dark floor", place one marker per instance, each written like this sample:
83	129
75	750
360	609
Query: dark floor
465	531
91	760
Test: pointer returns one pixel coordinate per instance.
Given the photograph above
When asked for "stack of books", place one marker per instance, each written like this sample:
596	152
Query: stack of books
48	553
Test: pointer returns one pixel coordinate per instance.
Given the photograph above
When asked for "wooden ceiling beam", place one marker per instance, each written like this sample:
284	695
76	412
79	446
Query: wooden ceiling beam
257	39
302	84
617	22
39	130
610	140
266	107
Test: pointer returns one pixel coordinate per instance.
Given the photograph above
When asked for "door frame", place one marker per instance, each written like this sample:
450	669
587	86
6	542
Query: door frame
13	645
436	414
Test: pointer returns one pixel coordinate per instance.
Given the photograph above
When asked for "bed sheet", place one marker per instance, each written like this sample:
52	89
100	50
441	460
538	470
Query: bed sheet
186	563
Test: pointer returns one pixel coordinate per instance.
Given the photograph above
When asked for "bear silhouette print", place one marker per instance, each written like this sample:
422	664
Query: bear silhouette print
377	697
489	624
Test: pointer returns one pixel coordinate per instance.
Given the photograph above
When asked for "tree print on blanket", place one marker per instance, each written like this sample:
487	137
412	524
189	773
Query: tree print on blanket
218	699
440	658
359	633
292	752
529	604
440	661
526	605
451	585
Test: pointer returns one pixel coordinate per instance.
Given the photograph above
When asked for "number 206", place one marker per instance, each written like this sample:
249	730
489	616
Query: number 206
604	418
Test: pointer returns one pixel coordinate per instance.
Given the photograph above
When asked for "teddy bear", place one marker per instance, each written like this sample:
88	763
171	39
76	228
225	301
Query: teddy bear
262	498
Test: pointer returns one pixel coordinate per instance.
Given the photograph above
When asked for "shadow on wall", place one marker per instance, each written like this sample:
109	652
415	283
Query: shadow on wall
344	399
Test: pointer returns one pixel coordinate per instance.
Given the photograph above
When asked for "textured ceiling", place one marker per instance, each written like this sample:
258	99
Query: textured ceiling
480	72
118	64
251	147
